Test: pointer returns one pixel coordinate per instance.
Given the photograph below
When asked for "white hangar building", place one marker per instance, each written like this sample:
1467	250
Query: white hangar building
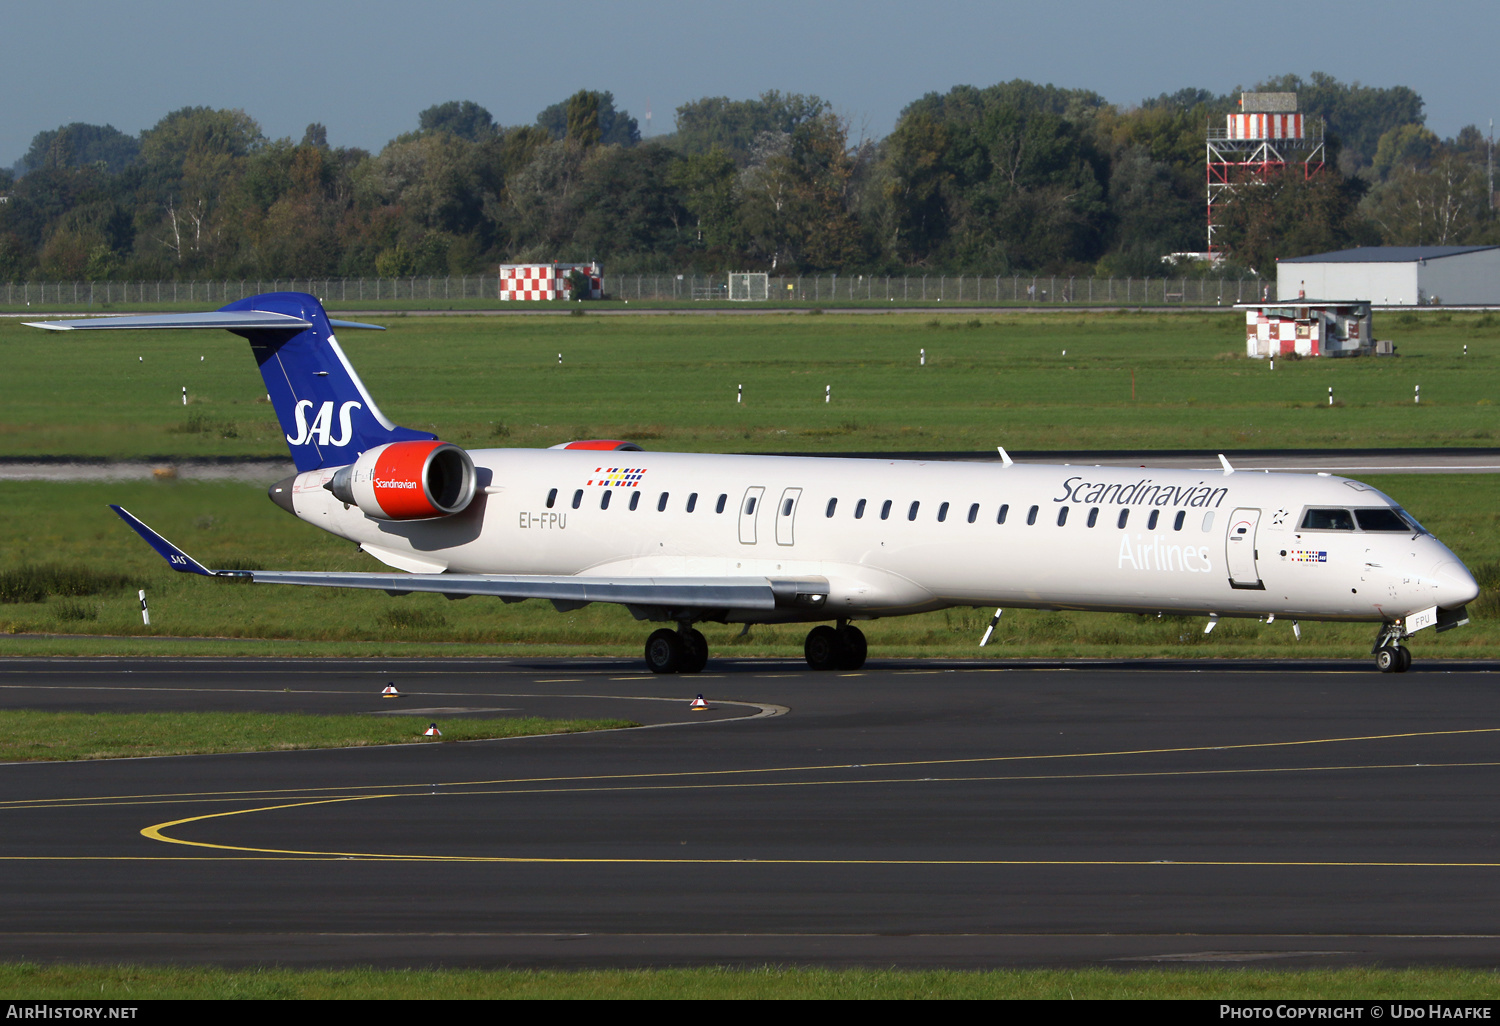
1395	276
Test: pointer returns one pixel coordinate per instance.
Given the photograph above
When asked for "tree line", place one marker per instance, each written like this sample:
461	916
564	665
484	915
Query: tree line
1013	178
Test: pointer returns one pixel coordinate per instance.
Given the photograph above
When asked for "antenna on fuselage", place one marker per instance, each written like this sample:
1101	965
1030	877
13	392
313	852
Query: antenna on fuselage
1005	456
1224	461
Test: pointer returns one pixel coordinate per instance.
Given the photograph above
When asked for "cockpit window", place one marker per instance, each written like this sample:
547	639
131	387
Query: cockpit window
1328	520
1382	519
1415	525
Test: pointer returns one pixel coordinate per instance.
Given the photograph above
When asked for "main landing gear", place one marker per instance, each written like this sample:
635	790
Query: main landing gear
685	650
1391	656
828	648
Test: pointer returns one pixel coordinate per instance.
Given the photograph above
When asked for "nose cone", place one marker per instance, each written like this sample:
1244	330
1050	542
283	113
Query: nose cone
1456	586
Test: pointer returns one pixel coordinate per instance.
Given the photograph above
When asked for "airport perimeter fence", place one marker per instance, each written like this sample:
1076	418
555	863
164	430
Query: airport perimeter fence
856	289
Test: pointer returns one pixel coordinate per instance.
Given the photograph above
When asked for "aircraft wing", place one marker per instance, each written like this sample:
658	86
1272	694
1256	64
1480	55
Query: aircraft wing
566	592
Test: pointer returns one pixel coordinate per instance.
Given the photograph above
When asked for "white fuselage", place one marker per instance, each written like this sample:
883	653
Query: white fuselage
1220	543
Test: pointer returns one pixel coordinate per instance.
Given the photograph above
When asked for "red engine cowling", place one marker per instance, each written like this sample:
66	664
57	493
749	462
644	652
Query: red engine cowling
407	481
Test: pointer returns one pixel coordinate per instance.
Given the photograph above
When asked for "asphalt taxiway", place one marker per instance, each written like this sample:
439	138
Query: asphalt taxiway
959	814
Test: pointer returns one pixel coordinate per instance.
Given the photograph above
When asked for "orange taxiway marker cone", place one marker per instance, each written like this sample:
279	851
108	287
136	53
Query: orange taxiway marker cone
432	731
389	691
699	705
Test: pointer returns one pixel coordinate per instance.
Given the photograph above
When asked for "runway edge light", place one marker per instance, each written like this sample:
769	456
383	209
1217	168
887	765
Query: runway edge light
389	691
698	705
432	731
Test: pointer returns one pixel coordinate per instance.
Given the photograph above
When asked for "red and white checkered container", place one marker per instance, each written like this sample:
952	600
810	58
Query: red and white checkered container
547	281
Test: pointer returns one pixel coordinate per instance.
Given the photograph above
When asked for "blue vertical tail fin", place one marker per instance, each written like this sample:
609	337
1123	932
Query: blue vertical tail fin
327	415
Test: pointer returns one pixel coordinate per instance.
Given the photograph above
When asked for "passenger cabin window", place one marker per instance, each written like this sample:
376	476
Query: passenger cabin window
1031	516
692	502
1177	523
719	506
974	512
1208	521
859	510
911	514
1124	519
1151	520
1093	516
1004	512
832	505
551	498
661	503
578	498
1327	520
635	499
604	499
942	512
885	510
1062	516
1382	519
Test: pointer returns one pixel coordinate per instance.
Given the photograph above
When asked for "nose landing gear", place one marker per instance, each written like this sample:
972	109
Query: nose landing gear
1391	656
1392	659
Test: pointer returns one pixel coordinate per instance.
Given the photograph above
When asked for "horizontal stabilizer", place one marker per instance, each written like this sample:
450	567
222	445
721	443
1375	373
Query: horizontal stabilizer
243	320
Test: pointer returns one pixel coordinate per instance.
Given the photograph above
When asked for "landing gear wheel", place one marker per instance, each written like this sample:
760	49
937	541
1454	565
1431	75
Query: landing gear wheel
694	651
665	651
1388	659
1405	659
823	649
855	647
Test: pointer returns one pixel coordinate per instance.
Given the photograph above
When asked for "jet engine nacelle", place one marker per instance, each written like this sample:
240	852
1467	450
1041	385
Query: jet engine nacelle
407	481
605	444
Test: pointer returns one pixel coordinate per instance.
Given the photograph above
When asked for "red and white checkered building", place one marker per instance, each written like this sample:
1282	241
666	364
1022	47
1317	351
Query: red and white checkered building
547	281
1309	328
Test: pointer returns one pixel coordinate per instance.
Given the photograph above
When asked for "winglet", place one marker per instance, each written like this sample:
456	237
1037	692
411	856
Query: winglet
1005	456
175	557
1225	461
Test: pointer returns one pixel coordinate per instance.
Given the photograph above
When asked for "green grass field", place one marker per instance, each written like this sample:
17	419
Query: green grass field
128	983
1095	381
37	736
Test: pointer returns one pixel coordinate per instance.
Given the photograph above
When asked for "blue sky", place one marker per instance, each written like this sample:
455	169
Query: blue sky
366	69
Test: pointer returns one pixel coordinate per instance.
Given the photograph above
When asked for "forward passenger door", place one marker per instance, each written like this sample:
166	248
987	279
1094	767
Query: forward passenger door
1239	550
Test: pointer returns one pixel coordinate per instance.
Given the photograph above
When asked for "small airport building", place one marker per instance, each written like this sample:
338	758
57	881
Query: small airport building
1310	328
1395	276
